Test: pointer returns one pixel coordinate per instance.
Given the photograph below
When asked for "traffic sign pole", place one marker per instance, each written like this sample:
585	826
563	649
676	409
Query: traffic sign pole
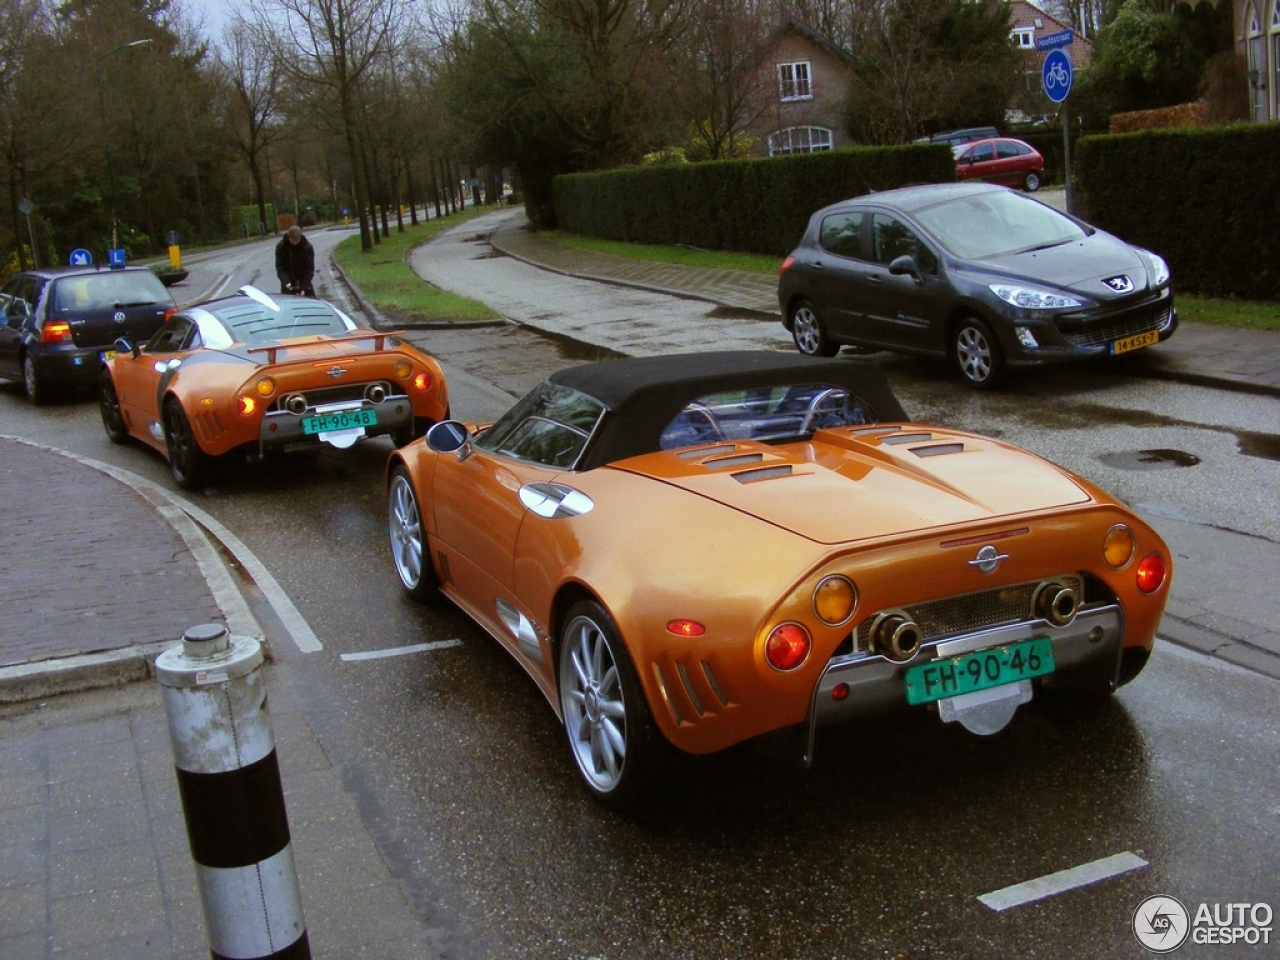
1056	76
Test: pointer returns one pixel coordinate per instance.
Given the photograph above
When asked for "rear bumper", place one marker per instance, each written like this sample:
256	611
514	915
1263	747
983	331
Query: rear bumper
1086	654
282	429
68	364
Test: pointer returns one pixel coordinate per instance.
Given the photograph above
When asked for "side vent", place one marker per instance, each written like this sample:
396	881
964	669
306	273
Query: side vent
725	463
688	689
938	449
764	473
666	697
711	681
699	453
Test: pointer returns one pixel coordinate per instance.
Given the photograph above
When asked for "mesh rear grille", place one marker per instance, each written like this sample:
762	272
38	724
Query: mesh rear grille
972	611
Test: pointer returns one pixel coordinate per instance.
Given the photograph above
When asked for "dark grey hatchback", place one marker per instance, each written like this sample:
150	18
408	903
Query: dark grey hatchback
978	273
57	326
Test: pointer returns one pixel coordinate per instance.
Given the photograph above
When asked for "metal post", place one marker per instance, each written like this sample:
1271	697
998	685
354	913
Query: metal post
229	780
1065	114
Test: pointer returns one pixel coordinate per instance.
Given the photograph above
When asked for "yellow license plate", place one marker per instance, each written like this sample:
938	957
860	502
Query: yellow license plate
1135	342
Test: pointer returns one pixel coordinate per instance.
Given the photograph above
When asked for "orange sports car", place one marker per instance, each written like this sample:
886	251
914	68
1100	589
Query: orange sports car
251	373
703	549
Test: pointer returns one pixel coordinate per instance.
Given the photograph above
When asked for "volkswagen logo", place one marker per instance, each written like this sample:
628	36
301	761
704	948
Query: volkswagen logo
1120	284
988	559
118	316
335	371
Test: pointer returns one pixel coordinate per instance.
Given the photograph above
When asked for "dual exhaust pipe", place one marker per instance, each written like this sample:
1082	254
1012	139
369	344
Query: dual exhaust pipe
896	636
297	403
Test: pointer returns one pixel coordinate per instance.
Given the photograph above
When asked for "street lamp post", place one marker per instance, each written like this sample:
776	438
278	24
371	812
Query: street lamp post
106	136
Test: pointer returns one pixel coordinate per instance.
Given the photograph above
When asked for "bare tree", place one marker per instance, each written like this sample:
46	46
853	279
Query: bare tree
250	73
336	42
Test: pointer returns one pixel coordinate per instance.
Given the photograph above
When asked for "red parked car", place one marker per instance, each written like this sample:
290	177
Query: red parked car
1000	160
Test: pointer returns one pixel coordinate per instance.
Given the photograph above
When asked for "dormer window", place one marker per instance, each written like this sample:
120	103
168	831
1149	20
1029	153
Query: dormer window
1024	38
794	81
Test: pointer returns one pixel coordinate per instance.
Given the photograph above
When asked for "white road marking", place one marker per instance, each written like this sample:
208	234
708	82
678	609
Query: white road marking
1062	881
401	651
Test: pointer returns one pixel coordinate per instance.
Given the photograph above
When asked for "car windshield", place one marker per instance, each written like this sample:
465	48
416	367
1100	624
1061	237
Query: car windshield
769	413
995	224
255	324
550	426
108	291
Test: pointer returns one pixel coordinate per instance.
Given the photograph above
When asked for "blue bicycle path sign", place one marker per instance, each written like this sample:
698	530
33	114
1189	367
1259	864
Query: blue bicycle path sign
1057	75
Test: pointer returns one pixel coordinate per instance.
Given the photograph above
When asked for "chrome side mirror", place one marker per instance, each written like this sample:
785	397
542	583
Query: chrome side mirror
125	345
449	436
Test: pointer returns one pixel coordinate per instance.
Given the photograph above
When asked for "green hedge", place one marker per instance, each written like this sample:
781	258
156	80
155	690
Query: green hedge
755	206
1207	200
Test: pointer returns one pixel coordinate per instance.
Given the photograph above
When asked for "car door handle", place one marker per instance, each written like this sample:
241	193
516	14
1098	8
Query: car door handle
874	279
817	265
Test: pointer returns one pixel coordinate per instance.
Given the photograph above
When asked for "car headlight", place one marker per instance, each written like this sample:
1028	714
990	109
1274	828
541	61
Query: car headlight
1030	298
1159	270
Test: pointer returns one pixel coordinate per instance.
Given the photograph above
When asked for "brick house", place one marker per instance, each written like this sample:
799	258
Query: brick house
807	77
1027	23
1257	32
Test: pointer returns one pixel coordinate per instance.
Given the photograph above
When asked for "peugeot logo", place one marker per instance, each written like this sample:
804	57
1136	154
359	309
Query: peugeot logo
118	316
988	559
1120	284
335	371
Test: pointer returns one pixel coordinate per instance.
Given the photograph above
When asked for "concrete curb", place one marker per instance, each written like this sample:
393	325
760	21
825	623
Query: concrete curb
91	671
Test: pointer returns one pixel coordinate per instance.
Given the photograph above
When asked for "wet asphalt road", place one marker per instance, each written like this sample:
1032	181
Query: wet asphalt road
883	847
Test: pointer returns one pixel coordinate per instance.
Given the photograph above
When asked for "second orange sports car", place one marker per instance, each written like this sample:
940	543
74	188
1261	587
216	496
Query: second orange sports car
252	373
702	549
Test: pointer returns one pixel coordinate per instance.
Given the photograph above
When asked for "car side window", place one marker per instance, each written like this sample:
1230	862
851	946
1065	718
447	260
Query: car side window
1023	149
982	153
172	337
841	234
891	238
550	426
1006	150
544	441
22	293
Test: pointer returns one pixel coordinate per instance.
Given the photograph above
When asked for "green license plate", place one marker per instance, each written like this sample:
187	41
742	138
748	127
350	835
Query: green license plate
939	679
343	420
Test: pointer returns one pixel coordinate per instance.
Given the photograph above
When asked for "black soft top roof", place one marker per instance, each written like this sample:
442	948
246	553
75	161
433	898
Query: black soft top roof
644	394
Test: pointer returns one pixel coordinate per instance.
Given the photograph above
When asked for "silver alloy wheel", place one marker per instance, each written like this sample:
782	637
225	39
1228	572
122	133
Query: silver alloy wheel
405	524
973	353
595	711
807	331
1032	182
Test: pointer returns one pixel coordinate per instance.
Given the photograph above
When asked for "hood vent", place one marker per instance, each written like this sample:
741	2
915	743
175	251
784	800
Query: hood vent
725	463
907	438
938	449
764	473
700	452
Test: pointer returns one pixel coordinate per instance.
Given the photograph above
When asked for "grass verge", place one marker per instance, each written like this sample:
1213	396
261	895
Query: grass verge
684	256
1246	314
384	278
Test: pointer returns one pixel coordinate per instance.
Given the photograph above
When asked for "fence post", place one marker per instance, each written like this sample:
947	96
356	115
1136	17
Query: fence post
229	780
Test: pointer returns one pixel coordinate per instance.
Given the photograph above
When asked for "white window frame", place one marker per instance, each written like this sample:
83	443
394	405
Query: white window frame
795	80
799	140
1275	59
1024	38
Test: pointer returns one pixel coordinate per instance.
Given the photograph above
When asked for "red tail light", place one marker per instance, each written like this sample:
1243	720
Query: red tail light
788	646
422	381
55	331
1151	573
245	406
786	265
169	312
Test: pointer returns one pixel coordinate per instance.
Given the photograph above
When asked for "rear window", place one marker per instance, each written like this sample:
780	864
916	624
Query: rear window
108	291
256	324
768	413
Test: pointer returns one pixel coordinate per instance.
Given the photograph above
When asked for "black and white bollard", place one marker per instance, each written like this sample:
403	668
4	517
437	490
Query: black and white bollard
229	780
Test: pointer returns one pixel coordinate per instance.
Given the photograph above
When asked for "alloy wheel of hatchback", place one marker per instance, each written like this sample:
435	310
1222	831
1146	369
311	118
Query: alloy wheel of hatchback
809	334
1031	181
606	719
977	354
31	383
408	541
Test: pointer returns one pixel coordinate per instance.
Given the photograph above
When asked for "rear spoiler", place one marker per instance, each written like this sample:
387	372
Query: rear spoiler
379	342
